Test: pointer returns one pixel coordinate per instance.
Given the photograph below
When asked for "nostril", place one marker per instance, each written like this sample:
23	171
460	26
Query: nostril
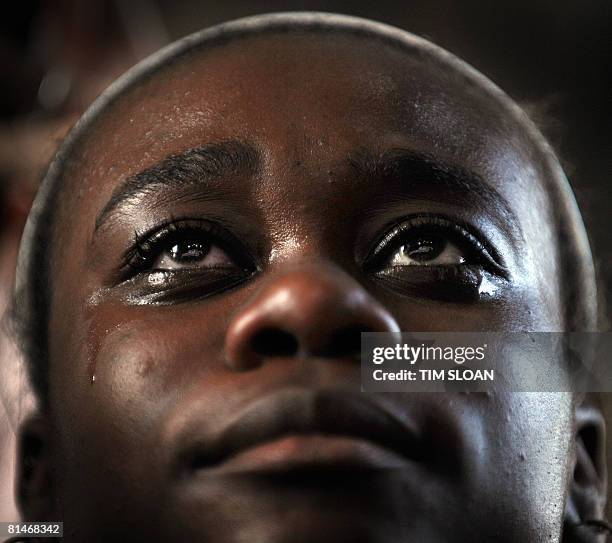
347	342
274	342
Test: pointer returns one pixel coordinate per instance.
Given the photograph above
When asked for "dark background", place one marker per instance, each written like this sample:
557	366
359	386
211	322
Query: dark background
553	57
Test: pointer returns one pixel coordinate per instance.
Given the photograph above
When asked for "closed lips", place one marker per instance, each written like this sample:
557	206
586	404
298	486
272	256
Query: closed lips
302	412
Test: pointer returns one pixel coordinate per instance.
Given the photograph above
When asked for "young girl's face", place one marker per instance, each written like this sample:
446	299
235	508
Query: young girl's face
214	260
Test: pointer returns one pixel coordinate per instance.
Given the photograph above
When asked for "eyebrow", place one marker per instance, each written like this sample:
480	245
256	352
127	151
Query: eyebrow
207	162
238	158
421	170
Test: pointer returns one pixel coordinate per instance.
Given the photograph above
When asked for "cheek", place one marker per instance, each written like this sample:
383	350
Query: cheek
543	434
132	354
154	355
530	439
514	310
110	392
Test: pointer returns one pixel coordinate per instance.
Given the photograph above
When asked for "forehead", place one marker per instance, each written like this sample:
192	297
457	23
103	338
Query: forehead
313	95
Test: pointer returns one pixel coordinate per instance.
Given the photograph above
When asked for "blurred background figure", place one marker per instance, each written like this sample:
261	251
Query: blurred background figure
56	56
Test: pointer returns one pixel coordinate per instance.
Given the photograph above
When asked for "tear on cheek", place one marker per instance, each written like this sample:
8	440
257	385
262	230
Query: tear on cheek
156	355
487	288
126	360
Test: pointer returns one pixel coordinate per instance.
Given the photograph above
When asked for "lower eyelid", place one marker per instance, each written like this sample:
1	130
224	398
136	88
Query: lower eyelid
459	284
168	287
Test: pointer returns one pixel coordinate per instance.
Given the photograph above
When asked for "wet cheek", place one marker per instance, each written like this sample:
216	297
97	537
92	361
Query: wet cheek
112	407
120	373
154	356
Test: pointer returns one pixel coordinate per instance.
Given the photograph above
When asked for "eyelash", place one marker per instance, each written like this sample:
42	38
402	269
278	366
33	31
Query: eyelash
148	245
463	235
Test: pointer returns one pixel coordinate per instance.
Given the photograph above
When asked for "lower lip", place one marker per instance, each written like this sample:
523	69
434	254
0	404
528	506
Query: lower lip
311	453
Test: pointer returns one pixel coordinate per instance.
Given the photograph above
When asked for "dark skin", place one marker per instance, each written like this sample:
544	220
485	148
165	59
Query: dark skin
247	288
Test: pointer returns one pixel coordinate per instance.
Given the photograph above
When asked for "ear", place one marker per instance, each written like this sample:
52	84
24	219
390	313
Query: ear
588	485
35	493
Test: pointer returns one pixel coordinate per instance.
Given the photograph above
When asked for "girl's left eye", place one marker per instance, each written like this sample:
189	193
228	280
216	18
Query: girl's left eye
191	253
436	257
427	250
432	241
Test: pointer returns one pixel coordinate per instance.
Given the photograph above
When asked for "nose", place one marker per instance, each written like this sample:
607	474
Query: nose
316	310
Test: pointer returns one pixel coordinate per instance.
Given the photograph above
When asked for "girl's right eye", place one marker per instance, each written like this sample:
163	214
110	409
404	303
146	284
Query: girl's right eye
191	253
181	261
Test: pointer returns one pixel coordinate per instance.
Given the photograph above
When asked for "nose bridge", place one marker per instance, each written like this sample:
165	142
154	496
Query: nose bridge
308	310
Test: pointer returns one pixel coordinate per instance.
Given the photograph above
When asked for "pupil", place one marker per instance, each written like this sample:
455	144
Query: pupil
187	251
424	249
